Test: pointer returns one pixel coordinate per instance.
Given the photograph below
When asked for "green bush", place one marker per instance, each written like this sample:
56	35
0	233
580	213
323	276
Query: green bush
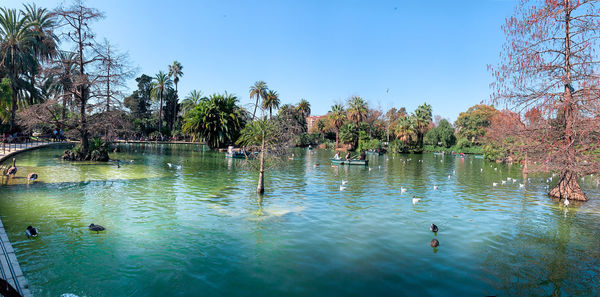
372	144
306	139
399	147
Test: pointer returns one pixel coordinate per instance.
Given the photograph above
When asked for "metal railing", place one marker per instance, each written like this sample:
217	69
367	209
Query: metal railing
11	144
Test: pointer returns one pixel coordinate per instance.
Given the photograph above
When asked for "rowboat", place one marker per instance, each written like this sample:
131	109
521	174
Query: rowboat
349	162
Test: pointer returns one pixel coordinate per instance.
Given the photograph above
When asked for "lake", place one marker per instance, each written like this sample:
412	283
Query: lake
202	230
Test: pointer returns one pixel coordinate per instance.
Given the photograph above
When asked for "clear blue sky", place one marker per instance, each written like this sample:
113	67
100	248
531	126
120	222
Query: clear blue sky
323	51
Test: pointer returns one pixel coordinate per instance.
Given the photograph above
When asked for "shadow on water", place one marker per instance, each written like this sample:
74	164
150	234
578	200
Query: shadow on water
544	257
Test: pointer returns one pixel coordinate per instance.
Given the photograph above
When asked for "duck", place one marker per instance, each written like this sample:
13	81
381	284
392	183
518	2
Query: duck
494	184
30	231
342	188
415	200
503	182
566	202
435	187
170	165
449	176
32	176
179	167
434	243
344	182
433	228
96	228
521	185
403	190
13	169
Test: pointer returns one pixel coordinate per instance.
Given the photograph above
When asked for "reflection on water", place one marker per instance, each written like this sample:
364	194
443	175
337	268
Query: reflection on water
202	228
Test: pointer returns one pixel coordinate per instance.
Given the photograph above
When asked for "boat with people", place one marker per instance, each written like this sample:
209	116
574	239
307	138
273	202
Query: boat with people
349	162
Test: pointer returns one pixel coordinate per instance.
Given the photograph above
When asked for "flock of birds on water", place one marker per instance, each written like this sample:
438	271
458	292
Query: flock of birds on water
30	231
433	228
31	177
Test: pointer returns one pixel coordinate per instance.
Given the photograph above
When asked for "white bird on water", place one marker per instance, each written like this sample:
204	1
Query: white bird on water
435	187
521	185
415	200
170	165
494	184
342	188
179	167
449	176
344	182
503	182
403	190
566	202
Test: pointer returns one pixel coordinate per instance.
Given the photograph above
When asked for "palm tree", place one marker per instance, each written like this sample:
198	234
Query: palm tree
406	129
176	73
62	72
422	121
217	119
42	23
357	109
304	107
261	133
258	90
16	55
45	46
337	116
191	101
271	101
349	134
159	87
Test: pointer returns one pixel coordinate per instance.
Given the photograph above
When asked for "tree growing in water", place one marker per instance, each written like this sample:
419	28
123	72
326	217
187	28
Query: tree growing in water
549	63
76	20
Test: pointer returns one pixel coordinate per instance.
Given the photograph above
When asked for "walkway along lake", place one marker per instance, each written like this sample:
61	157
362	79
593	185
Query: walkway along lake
201	229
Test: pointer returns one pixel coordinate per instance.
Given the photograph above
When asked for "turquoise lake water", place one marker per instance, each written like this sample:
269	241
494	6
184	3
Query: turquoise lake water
202	231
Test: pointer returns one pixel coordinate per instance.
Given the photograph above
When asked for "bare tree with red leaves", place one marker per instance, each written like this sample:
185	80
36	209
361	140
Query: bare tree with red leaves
549	63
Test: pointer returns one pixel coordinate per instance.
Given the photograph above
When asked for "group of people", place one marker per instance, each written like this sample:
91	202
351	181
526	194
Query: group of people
363	156
58	135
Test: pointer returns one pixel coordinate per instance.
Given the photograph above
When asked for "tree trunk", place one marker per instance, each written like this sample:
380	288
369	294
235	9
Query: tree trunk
568	187
255	106
64	107
261	176
85	146
13	110
160	114
337	138
174	112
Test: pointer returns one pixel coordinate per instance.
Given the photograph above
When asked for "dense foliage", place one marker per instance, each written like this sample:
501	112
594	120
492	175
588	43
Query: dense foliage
216	119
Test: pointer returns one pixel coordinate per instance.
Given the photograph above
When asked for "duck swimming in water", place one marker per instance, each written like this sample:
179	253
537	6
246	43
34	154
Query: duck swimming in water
32	176
96	228
434	243
433	228
30	231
